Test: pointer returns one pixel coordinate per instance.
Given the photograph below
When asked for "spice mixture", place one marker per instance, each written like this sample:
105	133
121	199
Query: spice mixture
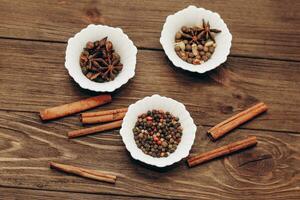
195	45
157	133
99	62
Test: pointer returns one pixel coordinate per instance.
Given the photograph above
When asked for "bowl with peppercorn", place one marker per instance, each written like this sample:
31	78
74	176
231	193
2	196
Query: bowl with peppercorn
196	39
158	131
101	58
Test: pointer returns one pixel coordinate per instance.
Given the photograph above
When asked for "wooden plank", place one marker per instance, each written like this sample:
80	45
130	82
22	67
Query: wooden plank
271	169
35	78
268	29
29	194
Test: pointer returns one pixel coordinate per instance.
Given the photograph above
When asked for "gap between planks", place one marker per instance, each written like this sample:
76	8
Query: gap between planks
204	125
145	48
83	192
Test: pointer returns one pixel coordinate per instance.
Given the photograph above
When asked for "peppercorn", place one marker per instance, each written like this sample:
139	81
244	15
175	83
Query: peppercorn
188	47
177	48
211	49
191	55
208	54
205	58
178	35
200	47
161	137
184	29
89	45
190	60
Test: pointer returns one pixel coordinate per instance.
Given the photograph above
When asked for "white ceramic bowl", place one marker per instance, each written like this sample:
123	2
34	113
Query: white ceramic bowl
122	45
192	16
167	104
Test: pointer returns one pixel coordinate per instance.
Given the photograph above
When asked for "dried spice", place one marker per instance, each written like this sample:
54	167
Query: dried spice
99	62
196	44
157	133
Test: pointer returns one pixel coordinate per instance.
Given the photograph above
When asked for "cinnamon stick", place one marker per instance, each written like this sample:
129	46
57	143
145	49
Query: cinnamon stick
224	127
103	118
92	174
101	113
103	127
71	108
221	151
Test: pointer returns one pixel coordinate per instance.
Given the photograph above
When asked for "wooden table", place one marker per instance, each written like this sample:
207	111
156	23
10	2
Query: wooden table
263	66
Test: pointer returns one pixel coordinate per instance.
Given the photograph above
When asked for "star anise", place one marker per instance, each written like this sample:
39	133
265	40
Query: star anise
99	62
191	34
111	68
197	34
207	32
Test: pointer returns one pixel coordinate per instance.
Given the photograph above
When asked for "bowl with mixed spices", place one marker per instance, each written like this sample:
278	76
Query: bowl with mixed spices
101	58
158	131
196	39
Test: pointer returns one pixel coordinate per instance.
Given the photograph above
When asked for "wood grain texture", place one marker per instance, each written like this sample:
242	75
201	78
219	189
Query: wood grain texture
263	66
268	29
35	78
29	194
271	169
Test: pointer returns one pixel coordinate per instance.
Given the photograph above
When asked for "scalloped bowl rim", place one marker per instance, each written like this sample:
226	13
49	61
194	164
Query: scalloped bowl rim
184	146
212	63
91	85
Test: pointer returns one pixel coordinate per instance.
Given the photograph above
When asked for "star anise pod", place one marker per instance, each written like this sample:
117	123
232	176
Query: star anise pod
197	34
207	33
111	67
191	34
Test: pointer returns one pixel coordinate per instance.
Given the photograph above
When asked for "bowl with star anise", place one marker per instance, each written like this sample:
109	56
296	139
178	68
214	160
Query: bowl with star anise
101	58
196	39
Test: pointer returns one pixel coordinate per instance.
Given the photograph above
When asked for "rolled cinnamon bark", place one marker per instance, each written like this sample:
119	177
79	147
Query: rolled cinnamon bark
71	108
95	129
224	127
221	151
105	112
103	118
87	173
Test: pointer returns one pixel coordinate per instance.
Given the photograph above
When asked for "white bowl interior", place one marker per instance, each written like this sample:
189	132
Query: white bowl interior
192	16
122	45
166	104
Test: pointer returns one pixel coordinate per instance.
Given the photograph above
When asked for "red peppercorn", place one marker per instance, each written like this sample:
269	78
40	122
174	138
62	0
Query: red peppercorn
149	118
155	138
159	142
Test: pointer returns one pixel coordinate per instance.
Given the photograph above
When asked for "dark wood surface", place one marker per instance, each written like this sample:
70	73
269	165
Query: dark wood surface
263	66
